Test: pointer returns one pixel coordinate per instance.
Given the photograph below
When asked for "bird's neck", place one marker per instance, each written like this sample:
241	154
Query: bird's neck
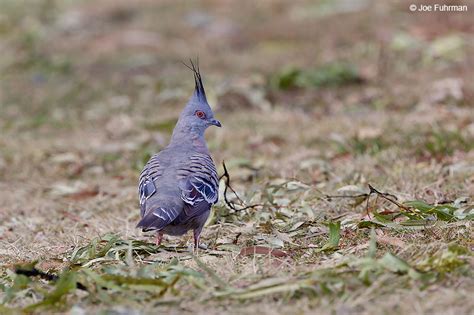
188	135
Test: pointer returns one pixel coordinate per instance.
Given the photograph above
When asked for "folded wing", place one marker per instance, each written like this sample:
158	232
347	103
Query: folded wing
199	184
156	208
146	186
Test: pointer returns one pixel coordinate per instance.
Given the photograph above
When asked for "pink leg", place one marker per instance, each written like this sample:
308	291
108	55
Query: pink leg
159	238
197	236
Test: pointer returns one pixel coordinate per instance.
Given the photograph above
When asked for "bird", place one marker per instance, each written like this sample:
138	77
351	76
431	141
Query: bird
179	184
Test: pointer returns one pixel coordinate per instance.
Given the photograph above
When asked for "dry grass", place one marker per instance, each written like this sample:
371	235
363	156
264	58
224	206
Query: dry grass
90	90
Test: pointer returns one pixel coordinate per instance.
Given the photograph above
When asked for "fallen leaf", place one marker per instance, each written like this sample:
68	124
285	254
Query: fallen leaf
390	240
84	194
261	250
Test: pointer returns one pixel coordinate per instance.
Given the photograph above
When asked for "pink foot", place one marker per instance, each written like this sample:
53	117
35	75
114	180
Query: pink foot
159	238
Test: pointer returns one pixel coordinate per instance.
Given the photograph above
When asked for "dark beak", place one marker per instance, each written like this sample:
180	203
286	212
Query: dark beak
215	122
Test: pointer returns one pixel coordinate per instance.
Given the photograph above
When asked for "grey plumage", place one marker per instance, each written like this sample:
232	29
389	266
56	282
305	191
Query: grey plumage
178	185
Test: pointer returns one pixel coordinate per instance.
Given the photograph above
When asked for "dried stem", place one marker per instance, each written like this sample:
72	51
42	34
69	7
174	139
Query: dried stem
229	203
387	196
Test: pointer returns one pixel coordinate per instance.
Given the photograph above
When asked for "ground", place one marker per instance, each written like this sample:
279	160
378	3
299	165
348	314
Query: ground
317	99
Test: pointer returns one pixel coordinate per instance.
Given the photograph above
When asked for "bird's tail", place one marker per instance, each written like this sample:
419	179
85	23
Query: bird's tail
158	215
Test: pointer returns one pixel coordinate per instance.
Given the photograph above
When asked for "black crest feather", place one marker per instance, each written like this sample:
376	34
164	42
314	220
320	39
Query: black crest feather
199	87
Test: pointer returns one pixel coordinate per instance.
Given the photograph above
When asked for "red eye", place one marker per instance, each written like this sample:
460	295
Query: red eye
200	114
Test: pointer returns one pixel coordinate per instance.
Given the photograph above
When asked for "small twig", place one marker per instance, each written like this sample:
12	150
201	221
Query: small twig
387	196
229	203
236	239
34	272
330	197
365	196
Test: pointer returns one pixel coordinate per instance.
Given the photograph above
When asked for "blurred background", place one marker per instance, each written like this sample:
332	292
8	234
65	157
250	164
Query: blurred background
330	93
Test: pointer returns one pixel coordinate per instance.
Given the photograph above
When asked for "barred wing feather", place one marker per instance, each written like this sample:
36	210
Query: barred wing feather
198	180
146	187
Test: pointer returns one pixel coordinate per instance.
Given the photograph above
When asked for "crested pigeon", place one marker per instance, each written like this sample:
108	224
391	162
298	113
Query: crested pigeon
178	185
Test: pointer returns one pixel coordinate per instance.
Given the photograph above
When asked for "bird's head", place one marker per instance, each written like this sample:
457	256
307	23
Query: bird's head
197	115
